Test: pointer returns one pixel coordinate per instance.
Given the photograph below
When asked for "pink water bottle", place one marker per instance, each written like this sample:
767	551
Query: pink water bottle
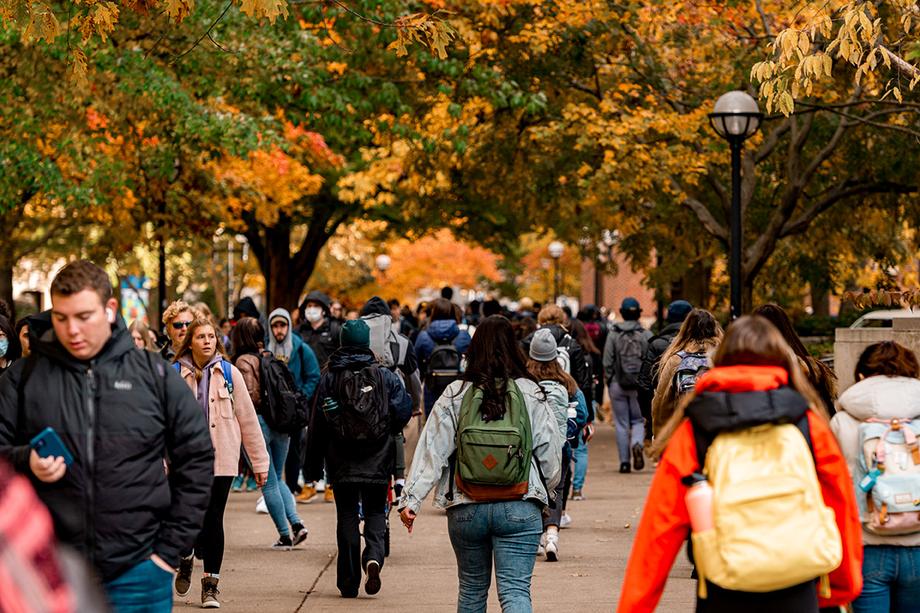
699	503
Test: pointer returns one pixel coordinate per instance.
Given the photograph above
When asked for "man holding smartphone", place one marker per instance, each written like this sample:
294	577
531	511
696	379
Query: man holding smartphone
119	412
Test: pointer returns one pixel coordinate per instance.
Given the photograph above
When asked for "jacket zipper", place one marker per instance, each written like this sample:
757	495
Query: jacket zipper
91	464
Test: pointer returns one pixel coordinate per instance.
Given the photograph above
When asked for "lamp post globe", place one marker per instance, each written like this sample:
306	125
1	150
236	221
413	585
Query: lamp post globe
735	115
556	249
383	262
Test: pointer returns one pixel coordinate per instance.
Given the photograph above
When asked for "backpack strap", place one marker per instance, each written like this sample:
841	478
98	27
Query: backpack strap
225	366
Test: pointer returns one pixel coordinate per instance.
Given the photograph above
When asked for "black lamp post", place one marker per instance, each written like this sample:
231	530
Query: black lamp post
555	251
736	118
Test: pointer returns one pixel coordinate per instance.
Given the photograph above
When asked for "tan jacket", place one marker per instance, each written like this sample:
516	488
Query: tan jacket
232	421
249	368
664	402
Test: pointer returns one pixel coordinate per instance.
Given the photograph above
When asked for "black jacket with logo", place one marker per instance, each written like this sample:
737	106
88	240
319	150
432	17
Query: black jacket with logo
120	414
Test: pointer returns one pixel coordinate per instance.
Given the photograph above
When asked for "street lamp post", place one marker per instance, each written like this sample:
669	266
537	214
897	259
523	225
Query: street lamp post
555	251
736	118
383	262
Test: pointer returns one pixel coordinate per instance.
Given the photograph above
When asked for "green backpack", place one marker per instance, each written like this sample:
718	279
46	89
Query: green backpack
494	457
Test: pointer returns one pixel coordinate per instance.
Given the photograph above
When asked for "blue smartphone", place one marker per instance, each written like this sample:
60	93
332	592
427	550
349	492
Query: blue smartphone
47	443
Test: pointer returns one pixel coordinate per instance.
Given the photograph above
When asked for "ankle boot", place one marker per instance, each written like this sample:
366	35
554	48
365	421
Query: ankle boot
209	593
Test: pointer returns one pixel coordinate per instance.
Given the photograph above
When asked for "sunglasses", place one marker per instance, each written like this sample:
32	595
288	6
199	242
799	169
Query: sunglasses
178	325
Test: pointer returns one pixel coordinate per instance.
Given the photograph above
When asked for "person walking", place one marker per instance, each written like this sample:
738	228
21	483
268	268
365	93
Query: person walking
555	319
247	341
223	399
119	412
287	346
176	319
883	409
575	480
626	347
568	403
440	348
360	406
317	328
750	462
685	359
499	525
10	349
140	333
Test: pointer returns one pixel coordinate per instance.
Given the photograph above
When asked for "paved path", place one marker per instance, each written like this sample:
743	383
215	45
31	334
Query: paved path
420	575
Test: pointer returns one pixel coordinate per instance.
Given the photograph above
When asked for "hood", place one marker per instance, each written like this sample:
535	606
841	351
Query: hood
280	313
43	341
315	296
375	306
882	397
625	326
246	306
286	347
348	358
443	330
737	397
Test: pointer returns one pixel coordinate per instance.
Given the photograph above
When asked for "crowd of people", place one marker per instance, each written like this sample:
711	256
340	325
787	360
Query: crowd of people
134	439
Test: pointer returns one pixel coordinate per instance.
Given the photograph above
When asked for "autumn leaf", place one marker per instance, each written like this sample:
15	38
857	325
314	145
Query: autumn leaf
177	10
268	9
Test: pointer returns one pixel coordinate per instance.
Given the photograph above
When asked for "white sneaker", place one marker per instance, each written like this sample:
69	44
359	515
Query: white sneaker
261	507
552	547
541	549
320	485
565	521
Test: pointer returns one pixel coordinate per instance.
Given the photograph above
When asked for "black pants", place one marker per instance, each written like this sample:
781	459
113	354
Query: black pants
293	462
351	562
209	546
802	598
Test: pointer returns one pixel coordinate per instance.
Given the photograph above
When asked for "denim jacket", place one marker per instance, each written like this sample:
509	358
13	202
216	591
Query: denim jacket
431	464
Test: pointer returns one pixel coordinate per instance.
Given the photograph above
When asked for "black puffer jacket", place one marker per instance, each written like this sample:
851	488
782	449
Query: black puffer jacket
349	463
323	340
120	415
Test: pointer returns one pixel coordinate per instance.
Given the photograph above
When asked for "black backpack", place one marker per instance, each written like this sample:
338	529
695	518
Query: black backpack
631	348
360	412
444	367
284	407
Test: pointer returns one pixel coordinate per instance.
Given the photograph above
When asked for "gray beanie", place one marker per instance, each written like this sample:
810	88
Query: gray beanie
543	346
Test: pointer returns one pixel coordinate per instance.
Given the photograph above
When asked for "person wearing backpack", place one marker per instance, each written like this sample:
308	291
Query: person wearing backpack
682	363
360	406
221	392
750	462
440	349
248	358
877	424
571	413
494	504
627	344
301	361
571	354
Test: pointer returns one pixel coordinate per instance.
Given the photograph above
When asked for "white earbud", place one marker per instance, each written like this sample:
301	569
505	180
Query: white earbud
110	315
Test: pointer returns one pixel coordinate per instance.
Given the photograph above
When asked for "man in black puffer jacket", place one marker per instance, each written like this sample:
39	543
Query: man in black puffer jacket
120	412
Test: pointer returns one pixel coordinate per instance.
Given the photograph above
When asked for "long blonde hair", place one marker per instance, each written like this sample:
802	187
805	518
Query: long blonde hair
750	340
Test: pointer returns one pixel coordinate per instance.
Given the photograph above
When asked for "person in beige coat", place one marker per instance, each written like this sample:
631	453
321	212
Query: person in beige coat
232	421
700	334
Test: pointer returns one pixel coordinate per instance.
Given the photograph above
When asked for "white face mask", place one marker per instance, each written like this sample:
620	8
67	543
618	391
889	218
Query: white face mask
313	314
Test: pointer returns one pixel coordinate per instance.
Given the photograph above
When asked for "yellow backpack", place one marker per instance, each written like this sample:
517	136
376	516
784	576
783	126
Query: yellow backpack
772	529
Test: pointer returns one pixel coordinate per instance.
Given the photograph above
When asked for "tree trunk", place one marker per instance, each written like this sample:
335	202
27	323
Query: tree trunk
820	299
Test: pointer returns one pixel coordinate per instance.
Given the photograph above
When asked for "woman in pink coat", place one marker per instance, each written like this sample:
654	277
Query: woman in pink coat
220	390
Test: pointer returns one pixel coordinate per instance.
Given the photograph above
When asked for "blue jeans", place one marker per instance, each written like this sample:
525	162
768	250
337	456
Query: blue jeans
509	533
144	588
278	499
891	580
627	416
580	454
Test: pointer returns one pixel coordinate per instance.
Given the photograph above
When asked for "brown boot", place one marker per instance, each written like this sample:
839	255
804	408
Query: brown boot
209	593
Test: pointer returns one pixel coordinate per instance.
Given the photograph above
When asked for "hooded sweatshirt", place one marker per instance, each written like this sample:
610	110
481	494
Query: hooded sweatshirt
299	357
736	397
877	397
324	339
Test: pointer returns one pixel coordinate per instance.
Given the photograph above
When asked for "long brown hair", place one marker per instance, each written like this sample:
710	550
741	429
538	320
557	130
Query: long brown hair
581	335
750	340
186	346
700	327
552	371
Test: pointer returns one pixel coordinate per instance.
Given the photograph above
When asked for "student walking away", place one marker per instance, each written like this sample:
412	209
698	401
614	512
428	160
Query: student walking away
570	353
271	386
627	345
648	376
575	479
683	362
597	331
176	320
224	400
118	412
571	413
750	464
877	426
494	505
395	352
440	349
360	406
317	328
819	374
10	349
288	347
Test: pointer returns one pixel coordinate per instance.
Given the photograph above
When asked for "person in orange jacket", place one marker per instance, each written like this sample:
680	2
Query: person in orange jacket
751	365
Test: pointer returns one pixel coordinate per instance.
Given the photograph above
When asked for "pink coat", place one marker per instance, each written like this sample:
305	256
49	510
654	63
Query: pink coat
232	422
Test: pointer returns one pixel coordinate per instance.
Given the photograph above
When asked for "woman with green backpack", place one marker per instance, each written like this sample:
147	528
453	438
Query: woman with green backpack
492	448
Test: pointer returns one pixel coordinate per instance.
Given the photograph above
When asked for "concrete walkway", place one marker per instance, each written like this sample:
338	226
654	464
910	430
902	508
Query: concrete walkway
420	575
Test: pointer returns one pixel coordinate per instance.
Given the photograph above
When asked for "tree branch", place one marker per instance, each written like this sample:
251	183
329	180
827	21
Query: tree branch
842	191
702	213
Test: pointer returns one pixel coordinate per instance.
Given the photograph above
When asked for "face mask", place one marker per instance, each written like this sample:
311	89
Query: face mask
4	346
313	314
